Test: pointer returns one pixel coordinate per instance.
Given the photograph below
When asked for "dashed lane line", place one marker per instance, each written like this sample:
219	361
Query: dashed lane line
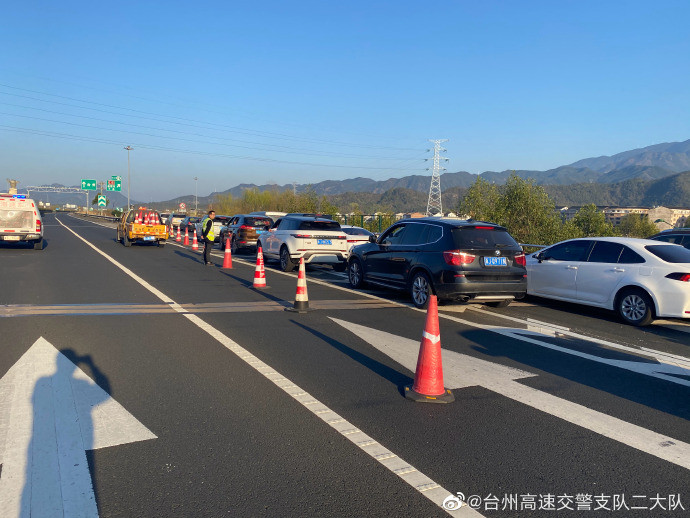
395	464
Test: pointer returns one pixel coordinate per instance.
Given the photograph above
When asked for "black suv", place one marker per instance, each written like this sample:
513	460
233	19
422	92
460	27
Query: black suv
454	259
679	236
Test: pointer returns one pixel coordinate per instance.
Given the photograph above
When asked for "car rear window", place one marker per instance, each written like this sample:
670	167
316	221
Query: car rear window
319	225
472	237
357	232
670	253
221	219
16	218
258	222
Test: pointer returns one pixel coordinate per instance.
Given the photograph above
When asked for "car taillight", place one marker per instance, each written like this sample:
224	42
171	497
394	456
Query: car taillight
38	226
679	276
301	235
520	260
245	226
456	257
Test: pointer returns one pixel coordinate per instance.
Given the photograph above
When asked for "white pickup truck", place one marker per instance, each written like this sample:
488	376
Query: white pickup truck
20	220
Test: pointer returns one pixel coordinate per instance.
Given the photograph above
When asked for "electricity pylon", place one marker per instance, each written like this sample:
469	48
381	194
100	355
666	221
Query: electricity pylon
434	206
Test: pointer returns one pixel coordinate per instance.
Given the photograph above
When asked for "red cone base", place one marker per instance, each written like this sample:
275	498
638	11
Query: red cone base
428	379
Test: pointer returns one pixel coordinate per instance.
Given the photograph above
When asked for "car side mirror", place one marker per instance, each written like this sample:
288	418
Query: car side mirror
539	256
372	239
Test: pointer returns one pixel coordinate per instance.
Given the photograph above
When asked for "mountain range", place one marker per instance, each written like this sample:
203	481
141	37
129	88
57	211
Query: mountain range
618	179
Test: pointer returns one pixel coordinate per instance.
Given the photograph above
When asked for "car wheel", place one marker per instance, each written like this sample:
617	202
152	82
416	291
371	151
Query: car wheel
233	246
420	290
286	263
355	273
38	245
499	303
126	240
635	307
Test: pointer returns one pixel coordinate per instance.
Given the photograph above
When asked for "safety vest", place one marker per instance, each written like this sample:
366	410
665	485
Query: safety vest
210	235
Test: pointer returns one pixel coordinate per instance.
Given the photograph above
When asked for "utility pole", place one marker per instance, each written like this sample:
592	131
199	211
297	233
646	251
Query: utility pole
434	206
196	196
128	148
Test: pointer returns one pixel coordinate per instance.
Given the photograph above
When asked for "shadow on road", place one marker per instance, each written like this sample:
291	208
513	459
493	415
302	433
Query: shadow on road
57	469
386	372
655	393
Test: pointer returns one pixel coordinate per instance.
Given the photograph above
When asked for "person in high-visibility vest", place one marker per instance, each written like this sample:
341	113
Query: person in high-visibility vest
208	236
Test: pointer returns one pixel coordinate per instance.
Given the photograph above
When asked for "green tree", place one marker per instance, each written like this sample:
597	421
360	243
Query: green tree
481	201
592	222
636	225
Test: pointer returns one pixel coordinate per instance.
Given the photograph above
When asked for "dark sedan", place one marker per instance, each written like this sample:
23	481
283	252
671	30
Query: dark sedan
243	230
453	259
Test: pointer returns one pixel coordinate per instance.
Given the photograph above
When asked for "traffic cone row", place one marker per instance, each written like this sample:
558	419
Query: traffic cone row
195	244
428	379
259	271
227	258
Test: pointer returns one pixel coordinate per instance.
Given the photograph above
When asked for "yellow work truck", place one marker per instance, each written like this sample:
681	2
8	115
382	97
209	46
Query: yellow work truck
142	225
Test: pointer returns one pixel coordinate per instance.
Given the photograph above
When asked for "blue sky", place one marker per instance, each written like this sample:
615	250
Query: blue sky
304	91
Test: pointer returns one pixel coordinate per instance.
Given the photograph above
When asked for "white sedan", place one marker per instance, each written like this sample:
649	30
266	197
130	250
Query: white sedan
641	279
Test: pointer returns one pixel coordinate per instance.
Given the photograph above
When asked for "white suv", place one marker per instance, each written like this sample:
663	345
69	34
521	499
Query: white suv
317	240
20	220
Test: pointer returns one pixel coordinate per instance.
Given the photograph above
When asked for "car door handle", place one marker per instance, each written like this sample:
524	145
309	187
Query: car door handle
399	259
619	269
569	267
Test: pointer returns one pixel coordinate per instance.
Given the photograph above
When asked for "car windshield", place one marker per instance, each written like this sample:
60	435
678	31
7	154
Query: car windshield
319	225
258	222
670	253
194	220
472	237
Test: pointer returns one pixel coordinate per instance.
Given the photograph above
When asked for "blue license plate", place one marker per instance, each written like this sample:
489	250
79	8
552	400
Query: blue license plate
495	261
149	238
323	241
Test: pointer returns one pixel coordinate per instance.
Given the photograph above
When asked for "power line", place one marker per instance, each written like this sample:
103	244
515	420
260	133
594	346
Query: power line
176	150
281	149
266	134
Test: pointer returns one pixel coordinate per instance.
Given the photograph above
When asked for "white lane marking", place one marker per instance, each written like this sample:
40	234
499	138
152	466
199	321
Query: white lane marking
52	412
662	371
462	371
418	480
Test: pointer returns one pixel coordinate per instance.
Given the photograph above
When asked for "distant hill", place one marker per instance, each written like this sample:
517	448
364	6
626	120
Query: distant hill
674	156
670	191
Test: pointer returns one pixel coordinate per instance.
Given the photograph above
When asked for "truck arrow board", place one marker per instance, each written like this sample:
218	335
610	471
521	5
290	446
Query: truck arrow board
51	412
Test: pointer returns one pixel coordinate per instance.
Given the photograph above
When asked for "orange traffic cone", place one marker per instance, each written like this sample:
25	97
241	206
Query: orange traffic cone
259	272
186	236
227	258
178	238
301	297
428	380
195	243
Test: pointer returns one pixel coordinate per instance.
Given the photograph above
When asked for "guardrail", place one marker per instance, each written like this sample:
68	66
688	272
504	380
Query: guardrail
96	216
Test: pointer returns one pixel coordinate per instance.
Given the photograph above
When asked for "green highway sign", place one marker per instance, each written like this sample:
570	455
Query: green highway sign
101	200
114	185
88	185
116	178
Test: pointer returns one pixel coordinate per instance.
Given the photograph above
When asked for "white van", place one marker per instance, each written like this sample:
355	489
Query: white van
20	220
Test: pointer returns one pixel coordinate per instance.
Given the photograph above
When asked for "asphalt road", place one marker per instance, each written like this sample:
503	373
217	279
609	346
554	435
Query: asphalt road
258	411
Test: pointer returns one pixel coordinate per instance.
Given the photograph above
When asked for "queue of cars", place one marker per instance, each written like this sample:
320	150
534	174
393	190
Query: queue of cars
476	261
